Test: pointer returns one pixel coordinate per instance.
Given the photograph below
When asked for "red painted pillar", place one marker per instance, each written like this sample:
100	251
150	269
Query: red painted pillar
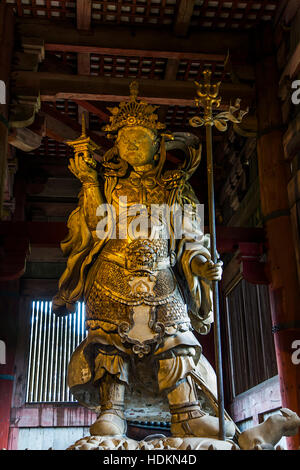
273	178
9	309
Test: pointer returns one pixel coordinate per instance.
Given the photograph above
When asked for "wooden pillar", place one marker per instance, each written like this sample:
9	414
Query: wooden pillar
273	177
9	290
6	48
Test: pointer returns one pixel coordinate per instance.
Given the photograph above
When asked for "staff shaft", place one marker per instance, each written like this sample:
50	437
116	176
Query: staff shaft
215	290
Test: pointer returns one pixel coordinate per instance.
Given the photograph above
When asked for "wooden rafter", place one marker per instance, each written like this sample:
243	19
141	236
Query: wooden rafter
83	63
105	39
92	108
164	54
83	14
83	17
183	17
171	69
170	74
59	86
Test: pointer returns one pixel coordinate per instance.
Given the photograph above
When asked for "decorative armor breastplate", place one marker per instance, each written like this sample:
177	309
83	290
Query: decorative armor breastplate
142	305
134	287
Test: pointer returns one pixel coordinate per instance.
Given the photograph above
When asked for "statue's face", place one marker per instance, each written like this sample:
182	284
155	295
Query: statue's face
137	145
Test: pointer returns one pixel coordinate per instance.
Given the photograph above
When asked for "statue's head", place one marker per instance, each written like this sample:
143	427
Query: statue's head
137	145
136	129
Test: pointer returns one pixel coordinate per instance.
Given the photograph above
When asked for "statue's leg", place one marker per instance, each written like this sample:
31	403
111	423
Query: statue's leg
111	420
187	417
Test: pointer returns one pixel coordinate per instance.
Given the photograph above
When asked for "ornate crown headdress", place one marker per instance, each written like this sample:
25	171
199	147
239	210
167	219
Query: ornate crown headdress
133	113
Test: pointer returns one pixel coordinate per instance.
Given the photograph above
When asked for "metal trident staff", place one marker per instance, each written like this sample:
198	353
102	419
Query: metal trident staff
208	98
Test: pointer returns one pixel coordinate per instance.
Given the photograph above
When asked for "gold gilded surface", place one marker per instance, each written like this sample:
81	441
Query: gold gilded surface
208	97
144	293
133	113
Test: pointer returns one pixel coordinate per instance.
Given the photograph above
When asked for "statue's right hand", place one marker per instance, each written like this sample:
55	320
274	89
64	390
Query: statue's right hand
82	170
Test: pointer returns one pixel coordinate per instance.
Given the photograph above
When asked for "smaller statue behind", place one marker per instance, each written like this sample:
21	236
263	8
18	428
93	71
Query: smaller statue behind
267	434
146	290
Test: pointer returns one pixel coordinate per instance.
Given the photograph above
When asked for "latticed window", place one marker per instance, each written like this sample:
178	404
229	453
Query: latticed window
252	357
52	341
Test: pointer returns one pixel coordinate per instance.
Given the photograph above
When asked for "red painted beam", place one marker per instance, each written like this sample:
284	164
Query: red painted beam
230	238
89	106
254	270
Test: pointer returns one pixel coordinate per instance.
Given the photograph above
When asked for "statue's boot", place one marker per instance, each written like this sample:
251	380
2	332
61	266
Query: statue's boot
111	420
187	418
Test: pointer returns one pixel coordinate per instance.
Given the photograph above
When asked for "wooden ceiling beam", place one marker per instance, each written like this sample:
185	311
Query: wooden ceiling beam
84	18
183	17
83	63
123	52
84	14
107	39
59	86
171	69
170	74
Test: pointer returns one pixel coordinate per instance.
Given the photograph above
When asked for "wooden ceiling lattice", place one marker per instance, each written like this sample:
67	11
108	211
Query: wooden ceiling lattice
143	67
234	14
58	9
135	67
52	148
215	14
67	107
177	116
158	12
125	60
193	70
95	123
67	58
153	68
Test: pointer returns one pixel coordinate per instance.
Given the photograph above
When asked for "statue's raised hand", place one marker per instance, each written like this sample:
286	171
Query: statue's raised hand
82	170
